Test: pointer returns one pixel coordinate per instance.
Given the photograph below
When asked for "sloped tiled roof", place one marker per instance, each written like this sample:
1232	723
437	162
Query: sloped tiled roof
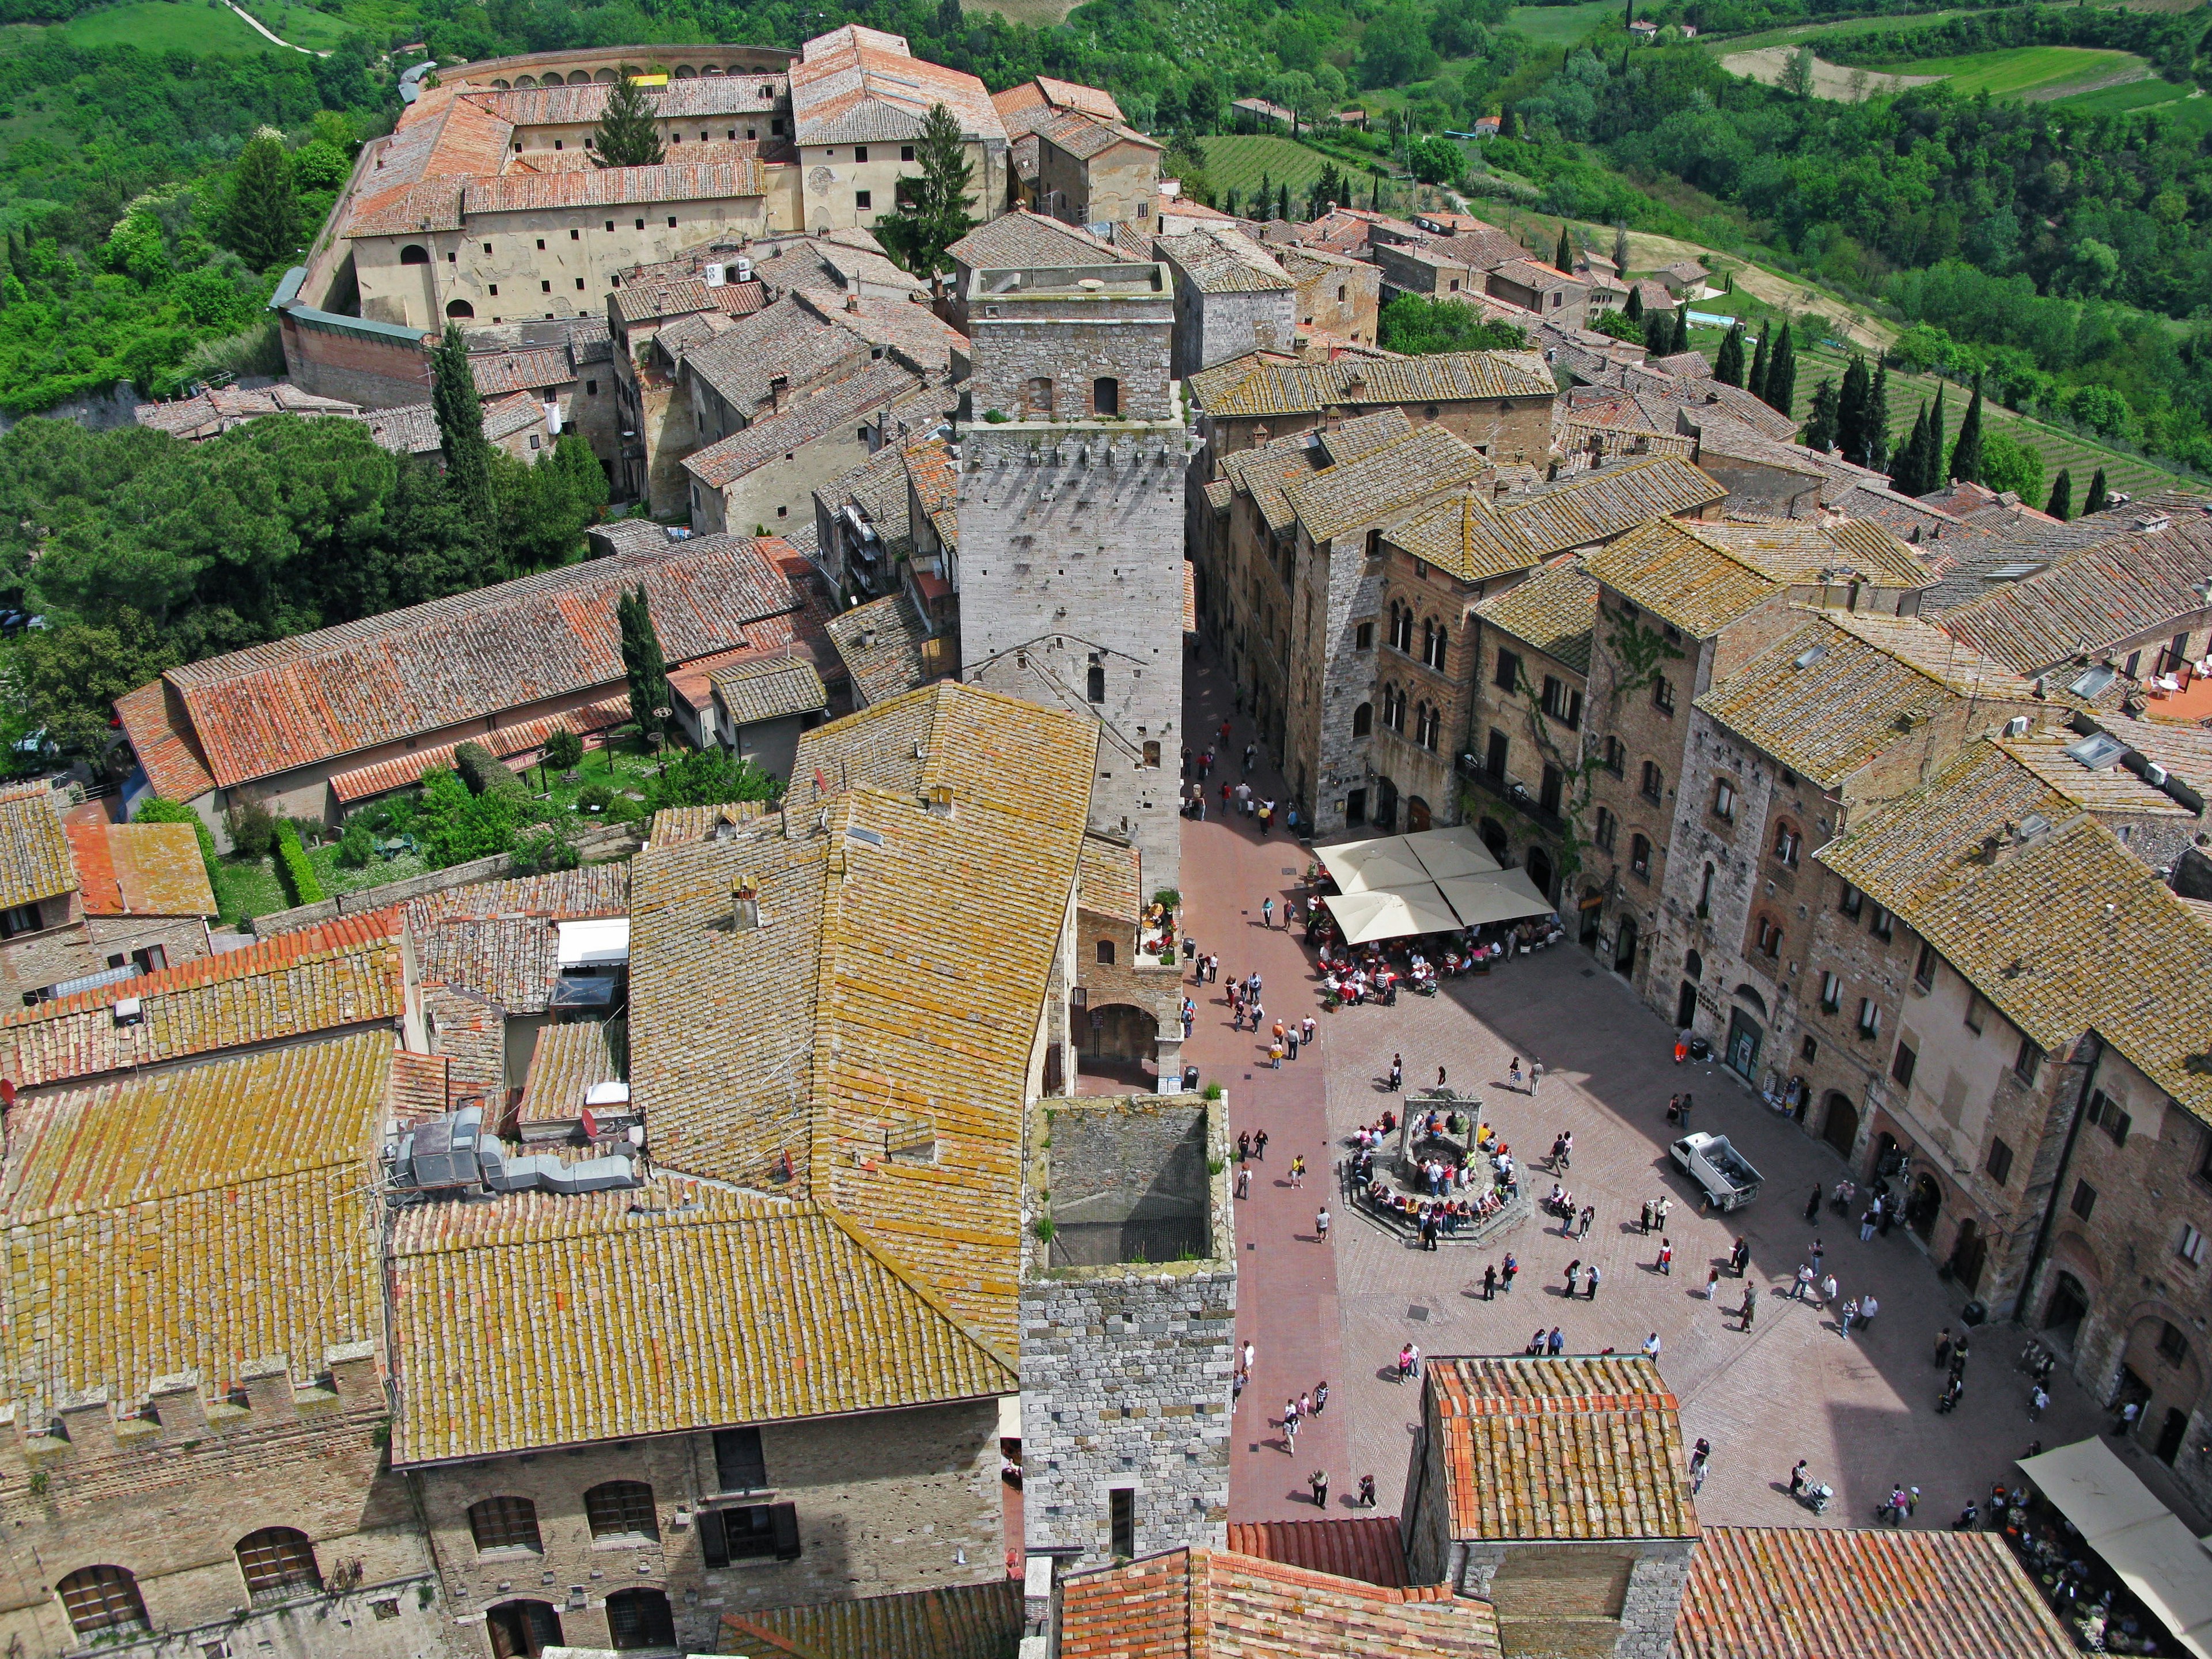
1368	1548
1391	479
1086	137
1843	1592
770	689
1555	610
541	368
1703	576
881	385
1596	505
1545	1449
341	972
1109	883
671	181
1265	383
752	1310
584	103
316	696
194	1218
960	1621
1023	237
1870	679
2113	789
35	854
1213	1604
567	1062
498	941
404	771
1464	536
141	869
1222	260
857	85
880	644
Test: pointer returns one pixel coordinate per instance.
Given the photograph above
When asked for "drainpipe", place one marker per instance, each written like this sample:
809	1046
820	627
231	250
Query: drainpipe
2035	1258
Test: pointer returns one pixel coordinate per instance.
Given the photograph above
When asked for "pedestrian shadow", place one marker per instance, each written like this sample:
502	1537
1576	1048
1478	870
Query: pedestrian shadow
1388	1374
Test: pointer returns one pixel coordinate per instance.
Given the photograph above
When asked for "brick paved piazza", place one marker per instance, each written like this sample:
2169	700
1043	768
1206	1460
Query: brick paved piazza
1862	1410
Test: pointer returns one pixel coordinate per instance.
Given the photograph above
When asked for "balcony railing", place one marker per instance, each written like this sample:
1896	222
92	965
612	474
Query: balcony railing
1512	791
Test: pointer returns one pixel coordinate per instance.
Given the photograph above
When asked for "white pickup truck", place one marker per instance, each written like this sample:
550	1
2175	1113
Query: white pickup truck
1725	1174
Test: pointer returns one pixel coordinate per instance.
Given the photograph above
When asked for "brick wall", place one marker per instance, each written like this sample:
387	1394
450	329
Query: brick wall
1532	741
364	368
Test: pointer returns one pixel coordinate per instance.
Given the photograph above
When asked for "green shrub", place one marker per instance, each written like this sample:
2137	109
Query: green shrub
452	826
594	797
708	777
307	887
552	847
564	751
483	771
252	829
356	843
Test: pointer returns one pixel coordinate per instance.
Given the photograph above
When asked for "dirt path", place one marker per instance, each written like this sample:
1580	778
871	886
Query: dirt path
1835	80
258	27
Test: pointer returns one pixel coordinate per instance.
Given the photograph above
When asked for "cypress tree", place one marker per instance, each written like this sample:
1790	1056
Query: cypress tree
1877	421
626	136
1634	310
1851	412
459	415
643	666
1820	431
1727	368
1375	198
2061	505
1564	258
2094	501
1756	384
1782	372
1507	126
1931	457
1229	202
1966	456
261	220
1620	252
1283	201
1905	477
934	214
1681	340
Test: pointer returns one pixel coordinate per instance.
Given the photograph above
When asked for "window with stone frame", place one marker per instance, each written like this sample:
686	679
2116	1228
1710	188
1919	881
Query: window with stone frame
1602	834
1437	638
1655	782
1831	992
1923	967
1401	628
276	1563
1851	902
2105	1114
1769	935
2028	1061
1999	1162
1724	800
1616	756
505	1523
1394	709
621	1508
1870	1021
1562	702
1903	1064
1427	725
1881	924
103	1601
1662	694
1639	857
1788	839
1363	719
1507	676
1363	636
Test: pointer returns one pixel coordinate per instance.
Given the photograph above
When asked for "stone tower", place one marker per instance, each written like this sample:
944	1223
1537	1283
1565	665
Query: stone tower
1071	567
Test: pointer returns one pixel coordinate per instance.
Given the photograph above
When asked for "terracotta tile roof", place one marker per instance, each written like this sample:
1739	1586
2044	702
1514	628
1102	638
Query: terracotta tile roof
346	972
1690	364
1560	1449
671	181
194	1218
2108	789
1623	438
35	854
1390	480
1109	882
566	1062
1266	384
1869	679
413	178
910	1006
880	644
1213	1604
936	486
404	771
1703	576
1533	273
582	105
1086	137
751	1311
1264	471
1555	610
141	869
418	1086
516	412
961	1622
1366	1547
1464	536
317	697
877	490
540	369
881	385
686	296
769	689
856	85
1842	1593
219	408
160	732
1222	260
903	325
787	341
407	429
497	940
2035	903
1596	505
1023	237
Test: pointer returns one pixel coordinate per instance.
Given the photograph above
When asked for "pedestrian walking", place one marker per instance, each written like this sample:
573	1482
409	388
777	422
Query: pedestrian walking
1942	1347
1291	1040
1798	1479
1592	1292
1850	1312
1405	1362
1490	1283
1429	1229
1893	1511
1701	1459
1244	1146
1866	1225
1651	1345
1318	1482
1750	1305
1712	1285
1290	1429
1953	1386
1643	1217
1320	1222
1817	1251
2128	1413
1244	1181
1366	1491
1804	1292
1298	1170
1397	1073
1260	1146
1536	1075
1666	1257
1827	1292
1237	1386
1305	1406
1739	1257
1513	1072
1268	913
1440	1076
1321	1396
1588	1215
1306	1030
1556	1343
1250	751
1813	1204
1867	1308
1274	1056
1247	1358
2036	1402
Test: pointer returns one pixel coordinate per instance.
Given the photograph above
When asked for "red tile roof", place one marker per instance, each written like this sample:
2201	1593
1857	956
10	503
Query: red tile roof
857	84
671	181
1366	1548
161	736
1820	1593
882	384
539	369
366	782
140	869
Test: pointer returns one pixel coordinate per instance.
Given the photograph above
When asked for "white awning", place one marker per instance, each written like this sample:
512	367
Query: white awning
2146	1545
1500	895
1360	866
1392	913
1448	853
601	943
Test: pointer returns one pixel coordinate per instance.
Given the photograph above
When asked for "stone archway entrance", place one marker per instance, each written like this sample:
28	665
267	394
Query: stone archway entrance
2062	1314
1385	805
1839	1123
1923	1204
1119	1031
1540	870
1624	948
522	1630
1417	815
1968	1254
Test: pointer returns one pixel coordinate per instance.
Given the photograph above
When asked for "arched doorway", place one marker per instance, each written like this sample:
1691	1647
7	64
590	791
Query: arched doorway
2062	1314
1839	1122
1417	815
1493	837
1968	1254
1685	1005
1119	1031
1540	870
1385	805
522	1630
1355	807
1745	1036
1624	946
1923	1204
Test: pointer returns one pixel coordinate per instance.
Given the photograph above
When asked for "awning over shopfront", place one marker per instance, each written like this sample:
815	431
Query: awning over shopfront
2147	1545
1500	895
1407	860
1393	912
1438	881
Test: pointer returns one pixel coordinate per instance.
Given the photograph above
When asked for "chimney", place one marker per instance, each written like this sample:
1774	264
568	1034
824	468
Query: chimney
940	801
745	905
778	388
853	303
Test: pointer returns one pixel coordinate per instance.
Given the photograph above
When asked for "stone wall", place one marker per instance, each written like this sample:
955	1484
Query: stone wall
1126	1368
372	368
1532	741
1212	328
1330	766
1050	328
596	844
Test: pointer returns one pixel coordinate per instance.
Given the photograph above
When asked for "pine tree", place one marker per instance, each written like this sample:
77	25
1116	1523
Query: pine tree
1906	477
1851	412
2094	501
643	666
1727	366
1564	258
2061	505
1507	126
626	136
1782	372
1877	421
1966	455
261	220
1820	431
933	211
1756	384
459	415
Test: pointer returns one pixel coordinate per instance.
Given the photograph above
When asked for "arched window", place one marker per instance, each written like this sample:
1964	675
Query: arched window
99	1600
1430	725
277	1562
459	310
1096	688
1428	641
1787	840
1105	953
1394	709
1639	857
1705	892
641	1618
1769	936
1694	966
1437	638
505	1523
621	1508
1106	396
414	254
1363	719
1036	398
1655	780
1401	628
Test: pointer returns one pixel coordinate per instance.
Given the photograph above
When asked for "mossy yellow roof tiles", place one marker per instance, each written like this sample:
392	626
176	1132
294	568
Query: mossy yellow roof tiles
1703	576
661	1323
35	854
195	1219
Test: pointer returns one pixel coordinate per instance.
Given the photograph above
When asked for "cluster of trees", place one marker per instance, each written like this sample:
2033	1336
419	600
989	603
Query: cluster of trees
1418	326
1854	422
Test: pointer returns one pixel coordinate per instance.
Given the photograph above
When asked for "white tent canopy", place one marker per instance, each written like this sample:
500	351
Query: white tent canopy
1500	895
1435	881
1392	913
1429	855
2144	1542
1448	853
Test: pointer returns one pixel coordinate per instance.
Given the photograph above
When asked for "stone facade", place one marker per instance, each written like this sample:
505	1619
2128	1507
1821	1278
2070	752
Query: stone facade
895	1501
1128	1309
1117	182
1071	525
1336	295
1521	790
1427	650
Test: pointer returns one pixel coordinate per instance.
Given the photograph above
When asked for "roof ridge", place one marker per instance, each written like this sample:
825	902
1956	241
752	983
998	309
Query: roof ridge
927	1293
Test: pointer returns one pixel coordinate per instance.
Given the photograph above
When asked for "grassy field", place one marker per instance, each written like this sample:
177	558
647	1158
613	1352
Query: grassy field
1237	162
2187	108
2031	72
1560	26
1029	11
1844	30
190	26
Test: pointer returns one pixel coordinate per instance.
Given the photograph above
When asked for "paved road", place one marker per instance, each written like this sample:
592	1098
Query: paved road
1861	1409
